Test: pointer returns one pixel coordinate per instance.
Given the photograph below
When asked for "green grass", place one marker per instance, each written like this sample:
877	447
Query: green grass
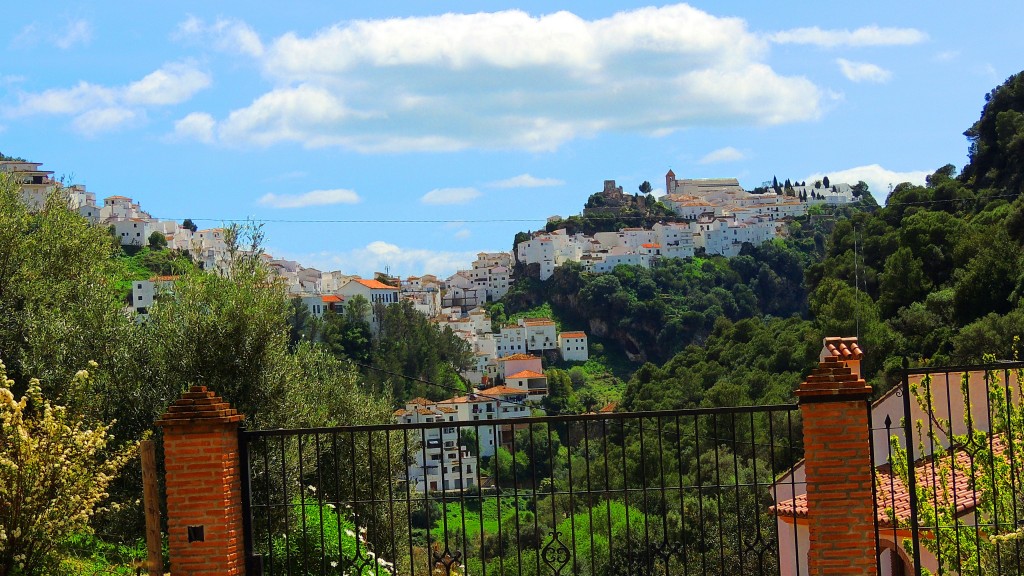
87	554
542	311
473	510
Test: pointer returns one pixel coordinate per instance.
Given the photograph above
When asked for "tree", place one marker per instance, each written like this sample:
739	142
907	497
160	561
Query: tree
646	188
157	241
189	225
824	182
54	472
860	189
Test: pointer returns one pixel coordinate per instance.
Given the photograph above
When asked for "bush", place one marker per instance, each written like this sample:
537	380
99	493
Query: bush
54	472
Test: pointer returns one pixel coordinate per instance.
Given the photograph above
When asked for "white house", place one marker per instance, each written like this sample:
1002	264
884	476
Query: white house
573	346
540	334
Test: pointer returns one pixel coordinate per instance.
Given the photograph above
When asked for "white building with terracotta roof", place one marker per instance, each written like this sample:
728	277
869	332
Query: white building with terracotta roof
443	462
573	346
375	291
541	334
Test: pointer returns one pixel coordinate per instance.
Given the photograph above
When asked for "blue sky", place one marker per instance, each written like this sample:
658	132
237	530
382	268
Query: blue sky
441	112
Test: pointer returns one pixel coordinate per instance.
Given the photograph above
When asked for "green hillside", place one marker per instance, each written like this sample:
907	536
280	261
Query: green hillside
935	276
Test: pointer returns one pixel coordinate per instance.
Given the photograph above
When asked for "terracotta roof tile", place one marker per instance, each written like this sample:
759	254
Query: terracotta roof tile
505	391
573	335
892	493
845	348
374	284
526	374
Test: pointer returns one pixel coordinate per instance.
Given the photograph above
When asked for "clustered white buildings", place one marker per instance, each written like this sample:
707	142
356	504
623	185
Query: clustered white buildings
488	280
720	218
444	459
131	225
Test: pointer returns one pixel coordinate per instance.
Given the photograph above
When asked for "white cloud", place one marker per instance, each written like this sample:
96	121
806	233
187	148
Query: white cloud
81	97
864	36
314	198
876	177
99	108
98	120
863	71
463	234
378	255
510	80
450	196
196	126
76	32
172	84
226	35
727	154
526	181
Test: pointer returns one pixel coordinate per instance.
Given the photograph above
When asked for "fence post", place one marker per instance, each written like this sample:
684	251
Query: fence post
204	495
837	450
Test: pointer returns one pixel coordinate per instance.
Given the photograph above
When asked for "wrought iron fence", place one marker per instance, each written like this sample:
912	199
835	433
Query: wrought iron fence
948	444
676	492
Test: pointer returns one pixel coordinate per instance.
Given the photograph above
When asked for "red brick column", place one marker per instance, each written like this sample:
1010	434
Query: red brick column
837	448
204	489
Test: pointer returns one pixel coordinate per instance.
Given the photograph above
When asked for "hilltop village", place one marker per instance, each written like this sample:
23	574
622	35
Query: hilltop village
712	216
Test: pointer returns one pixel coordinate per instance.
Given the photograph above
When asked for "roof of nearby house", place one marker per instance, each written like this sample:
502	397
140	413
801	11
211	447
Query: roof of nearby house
609	407
573	335
525	374
505	391
954	483
332	298
164	278
420	401
447	409
649	245
374	284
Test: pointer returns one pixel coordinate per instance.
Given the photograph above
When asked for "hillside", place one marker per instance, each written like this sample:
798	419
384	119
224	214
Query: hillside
934	276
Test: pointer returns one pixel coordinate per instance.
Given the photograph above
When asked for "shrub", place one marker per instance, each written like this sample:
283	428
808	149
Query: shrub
54	471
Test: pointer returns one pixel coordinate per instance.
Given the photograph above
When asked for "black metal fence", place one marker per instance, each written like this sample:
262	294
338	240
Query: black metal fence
948	443
676	492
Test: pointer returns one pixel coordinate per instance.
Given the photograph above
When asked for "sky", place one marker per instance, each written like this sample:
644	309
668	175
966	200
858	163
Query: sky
408	136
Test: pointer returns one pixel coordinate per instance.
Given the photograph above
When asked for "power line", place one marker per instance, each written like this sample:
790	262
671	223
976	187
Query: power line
527	220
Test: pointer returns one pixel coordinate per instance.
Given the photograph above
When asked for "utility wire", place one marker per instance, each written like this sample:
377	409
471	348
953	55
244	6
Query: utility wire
526	220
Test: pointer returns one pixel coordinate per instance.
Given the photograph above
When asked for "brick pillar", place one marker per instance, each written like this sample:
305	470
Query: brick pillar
204	489
837	456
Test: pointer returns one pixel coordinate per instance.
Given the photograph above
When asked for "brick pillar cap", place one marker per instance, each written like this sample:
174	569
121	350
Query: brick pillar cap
833	378
199	405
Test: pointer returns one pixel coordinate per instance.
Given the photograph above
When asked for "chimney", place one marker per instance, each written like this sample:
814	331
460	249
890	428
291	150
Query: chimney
846	349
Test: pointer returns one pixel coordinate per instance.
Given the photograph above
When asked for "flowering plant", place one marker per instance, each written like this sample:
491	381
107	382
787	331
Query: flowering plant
54	471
